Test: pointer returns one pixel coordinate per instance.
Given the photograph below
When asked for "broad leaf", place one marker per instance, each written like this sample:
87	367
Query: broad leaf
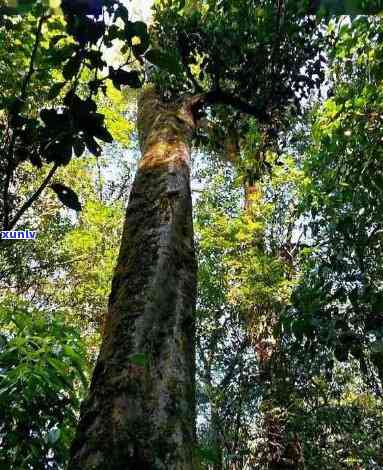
67	196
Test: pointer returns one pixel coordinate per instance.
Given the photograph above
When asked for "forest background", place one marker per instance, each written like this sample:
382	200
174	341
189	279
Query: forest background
288	230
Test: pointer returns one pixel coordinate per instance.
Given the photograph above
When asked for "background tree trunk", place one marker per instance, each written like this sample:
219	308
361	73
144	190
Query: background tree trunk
140	413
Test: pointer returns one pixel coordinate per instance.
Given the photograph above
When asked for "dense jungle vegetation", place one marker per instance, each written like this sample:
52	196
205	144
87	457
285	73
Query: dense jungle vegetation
204	290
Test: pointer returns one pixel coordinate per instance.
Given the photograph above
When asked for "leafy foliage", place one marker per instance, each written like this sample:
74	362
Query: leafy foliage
42	377
244	54
339	302
243	286
71	261
49	106
311	404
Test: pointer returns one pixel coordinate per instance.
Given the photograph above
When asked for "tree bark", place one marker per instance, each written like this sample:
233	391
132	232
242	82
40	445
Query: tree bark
140	413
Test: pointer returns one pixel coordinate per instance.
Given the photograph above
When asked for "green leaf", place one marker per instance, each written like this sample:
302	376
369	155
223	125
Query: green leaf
58	365
137	29
163	60
208	455
77	362
122	77
55	39
59	151
67	196
138	359
78	147
72	67
54	120
103	134
55	90
22	7
92	145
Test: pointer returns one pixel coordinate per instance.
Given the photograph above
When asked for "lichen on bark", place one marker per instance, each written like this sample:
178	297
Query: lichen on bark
140	414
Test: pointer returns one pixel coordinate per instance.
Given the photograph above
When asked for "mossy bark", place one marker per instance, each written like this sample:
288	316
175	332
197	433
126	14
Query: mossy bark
140	413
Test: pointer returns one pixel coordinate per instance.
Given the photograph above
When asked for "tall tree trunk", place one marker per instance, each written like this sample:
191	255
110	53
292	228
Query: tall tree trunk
252	192
216	438
140	413
282	452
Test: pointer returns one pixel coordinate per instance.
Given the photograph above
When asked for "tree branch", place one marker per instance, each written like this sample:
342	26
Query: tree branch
33	57
221	97
11	163
33	198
